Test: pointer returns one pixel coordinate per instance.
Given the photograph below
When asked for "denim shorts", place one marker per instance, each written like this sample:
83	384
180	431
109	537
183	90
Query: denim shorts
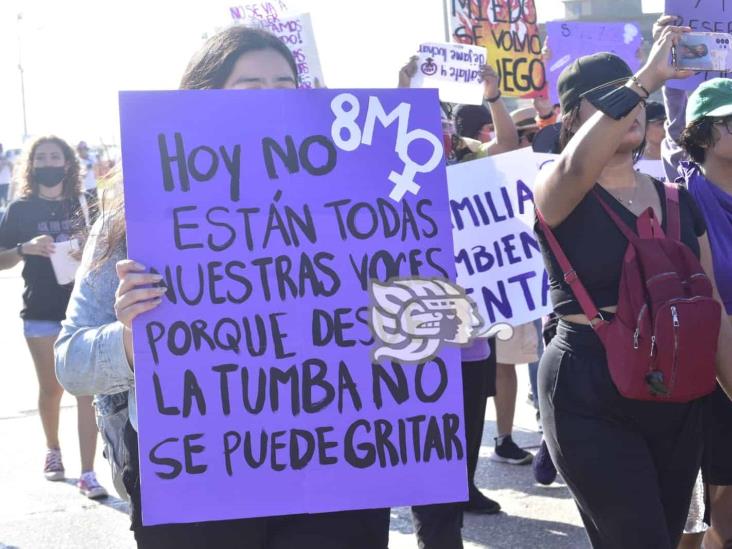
41	328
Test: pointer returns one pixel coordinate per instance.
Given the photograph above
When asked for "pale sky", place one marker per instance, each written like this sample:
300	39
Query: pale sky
77	54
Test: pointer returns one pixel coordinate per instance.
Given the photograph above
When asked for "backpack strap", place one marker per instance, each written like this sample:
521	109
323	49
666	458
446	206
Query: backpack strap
673	212
570	276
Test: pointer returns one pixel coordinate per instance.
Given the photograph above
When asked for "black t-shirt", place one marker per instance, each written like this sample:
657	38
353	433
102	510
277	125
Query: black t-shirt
595	247
26	218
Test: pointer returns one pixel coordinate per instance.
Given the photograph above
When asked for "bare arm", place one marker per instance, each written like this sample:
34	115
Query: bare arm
9	258
506	134
41	245
724	344
407	72
564	184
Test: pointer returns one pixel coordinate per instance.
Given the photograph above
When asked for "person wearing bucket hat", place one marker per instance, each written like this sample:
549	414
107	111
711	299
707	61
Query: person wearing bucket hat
630	464
706	142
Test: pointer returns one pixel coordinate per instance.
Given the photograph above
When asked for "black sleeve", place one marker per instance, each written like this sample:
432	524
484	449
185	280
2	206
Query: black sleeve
686	201
9	233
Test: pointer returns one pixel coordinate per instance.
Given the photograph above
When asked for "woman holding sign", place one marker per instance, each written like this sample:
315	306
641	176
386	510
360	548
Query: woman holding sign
621	393
94	351
37	229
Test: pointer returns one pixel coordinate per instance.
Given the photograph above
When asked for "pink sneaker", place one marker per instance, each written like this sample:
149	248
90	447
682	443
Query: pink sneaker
89	486
54	468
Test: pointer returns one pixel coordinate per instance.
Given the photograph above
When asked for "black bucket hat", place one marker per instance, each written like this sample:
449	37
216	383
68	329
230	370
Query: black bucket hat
591	76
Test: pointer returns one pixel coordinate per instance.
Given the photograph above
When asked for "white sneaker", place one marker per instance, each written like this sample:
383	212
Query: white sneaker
89	486
54	467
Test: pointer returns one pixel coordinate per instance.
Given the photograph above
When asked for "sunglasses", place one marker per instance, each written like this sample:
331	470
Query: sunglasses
726	122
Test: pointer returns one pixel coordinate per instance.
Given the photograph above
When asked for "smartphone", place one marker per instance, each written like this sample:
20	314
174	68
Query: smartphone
704	51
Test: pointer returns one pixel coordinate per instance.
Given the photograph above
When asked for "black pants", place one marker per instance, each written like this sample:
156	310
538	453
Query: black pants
479	381
631	465
368	529
439	526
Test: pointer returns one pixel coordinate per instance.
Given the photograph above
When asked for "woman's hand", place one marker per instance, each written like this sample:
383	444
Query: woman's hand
41	245
407	72
661	23
543	106
131	297
659	68
490	82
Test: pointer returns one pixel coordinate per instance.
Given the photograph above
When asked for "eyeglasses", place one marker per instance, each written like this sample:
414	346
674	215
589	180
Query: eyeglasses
726	122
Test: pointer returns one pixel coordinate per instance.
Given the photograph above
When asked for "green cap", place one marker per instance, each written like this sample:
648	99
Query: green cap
713	99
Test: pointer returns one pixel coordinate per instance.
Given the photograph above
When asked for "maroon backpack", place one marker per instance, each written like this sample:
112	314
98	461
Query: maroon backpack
662	342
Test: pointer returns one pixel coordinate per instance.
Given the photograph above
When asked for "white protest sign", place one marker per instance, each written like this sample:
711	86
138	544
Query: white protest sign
257	11
454	69
654	168
296	31
497	256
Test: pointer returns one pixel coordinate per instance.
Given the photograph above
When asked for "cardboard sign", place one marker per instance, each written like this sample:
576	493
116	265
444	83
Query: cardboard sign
497	256
269	214
454	69
701	16
254	12
510	32
569	40
296	31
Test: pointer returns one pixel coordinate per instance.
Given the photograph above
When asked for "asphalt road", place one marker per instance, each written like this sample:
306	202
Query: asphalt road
37	514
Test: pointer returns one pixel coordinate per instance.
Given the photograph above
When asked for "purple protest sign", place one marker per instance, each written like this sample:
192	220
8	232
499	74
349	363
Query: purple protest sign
701	16
269	214
569	40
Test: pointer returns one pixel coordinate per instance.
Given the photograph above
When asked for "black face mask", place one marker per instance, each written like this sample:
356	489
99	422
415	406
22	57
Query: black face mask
49	176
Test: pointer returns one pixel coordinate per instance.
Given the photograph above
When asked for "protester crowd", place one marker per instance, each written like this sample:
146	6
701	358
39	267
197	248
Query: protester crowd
643	474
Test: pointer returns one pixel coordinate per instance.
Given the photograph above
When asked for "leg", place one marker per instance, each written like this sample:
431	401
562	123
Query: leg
474	402
691	541
719	536
505	400
366	529
506	450
87	432
475	385
605	461
438	526
49	389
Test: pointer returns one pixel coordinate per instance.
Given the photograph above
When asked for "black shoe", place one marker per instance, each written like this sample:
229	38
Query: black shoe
481	504
509	452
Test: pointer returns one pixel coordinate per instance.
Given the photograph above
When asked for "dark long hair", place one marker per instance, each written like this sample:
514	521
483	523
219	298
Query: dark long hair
72	179
208	69
697	137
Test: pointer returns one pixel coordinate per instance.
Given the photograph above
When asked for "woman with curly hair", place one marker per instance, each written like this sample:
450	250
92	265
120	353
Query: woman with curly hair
50	210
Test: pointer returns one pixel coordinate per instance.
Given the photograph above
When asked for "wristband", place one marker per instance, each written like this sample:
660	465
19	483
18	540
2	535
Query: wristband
617	103
637	83
493	99
19	249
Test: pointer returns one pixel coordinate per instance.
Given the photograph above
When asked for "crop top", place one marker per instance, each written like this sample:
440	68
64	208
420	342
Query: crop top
595	247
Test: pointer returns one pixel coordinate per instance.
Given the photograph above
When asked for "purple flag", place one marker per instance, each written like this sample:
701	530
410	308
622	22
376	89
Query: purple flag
270	213
569	40
701	16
